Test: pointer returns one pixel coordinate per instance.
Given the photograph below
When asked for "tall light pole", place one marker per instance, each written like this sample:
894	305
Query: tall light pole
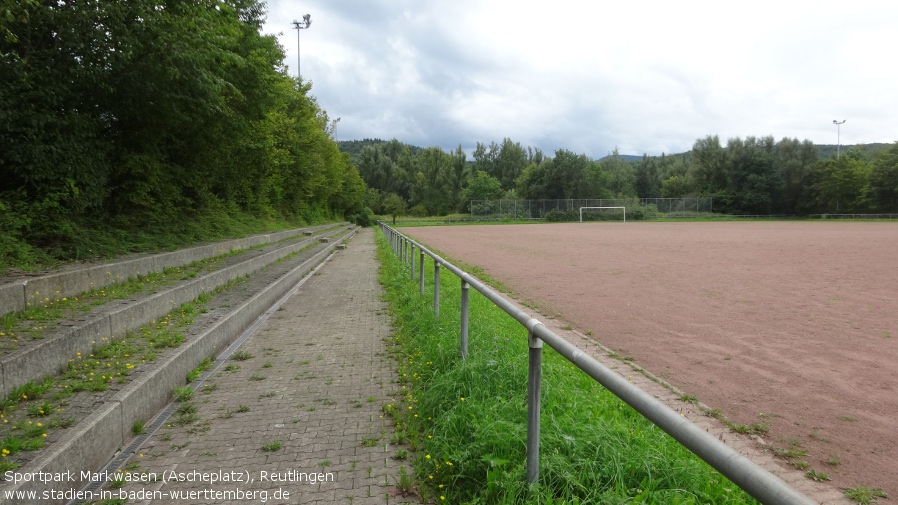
839	136
306	21
334	128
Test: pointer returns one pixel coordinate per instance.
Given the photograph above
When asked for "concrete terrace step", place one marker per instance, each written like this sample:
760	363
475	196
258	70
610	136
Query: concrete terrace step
93	441
51	354
17	295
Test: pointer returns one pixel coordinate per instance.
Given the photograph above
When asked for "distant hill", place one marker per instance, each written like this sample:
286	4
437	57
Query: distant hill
629	158
870	151
354	147
824	151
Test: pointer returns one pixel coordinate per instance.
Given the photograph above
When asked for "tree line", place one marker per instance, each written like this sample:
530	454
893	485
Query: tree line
151	113
752	175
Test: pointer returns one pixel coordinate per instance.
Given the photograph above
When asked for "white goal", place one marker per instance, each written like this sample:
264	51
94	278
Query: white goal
623	209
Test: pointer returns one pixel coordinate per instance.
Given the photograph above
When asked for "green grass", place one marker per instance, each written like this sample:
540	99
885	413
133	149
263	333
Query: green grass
88	238
204	365
183	394
241	356
466	420
865	494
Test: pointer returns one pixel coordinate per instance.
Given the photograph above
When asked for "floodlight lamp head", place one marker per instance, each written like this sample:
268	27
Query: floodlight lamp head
308	19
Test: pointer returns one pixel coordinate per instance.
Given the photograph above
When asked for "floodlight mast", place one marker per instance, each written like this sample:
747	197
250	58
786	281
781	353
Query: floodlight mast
306	22
839	137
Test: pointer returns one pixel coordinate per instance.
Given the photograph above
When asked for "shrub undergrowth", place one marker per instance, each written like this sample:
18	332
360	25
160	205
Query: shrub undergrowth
466	419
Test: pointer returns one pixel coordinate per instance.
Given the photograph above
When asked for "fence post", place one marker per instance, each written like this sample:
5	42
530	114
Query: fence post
534	375
464	319
411	259
436	289
421	273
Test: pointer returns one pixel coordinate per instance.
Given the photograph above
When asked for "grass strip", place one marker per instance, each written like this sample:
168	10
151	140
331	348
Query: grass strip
465	421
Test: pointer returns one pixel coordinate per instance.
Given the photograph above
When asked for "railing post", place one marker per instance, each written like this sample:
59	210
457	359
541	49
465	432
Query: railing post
464	319
421	273
436	289
411	259
534	375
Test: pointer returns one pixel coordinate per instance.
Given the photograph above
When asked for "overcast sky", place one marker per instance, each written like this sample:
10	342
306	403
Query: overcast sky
646	76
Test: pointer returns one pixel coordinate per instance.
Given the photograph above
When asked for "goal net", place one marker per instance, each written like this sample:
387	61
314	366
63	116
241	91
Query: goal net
603	214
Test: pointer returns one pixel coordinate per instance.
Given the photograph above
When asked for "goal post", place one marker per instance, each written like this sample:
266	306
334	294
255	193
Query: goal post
624	209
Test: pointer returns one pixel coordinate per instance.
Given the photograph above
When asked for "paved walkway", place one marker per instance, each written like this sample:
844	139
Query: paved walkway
302	415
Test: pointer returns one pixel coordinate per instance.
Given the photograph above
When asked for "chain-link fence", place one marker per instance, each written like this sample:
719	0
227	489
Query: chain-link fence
568	210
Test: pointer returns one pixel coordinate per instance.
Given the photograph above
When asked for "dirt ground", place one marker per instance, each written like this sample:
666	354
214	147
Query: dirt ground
791	325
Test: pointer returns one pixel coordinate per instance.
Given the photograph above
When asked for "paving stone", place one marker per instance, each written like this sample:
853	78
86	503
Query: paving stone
315	363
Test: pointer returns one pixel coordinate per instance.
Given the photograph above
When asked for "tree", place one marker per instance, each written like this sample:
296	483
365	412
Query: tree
532	182
484	159
483	187
566	175
883	181
648	178
795	161
622	175
509	163
752	175
675	186
146	114
838	185
454	180
394	205
432	180
708	166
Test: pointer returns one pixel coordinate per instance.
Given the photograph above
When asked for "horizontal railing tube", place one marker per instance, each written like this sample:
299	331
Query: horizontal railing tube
759	483
754	480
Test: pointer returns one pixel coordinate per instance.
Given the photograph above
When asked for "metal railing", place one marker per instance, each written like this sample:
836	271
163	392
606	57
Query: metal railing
754	480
